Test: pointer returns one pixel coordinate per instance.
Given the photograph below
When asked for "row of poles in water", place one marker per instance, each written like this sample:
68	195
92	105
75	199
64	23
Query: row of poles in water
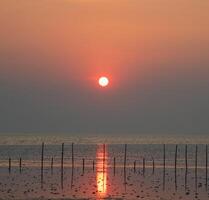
125	162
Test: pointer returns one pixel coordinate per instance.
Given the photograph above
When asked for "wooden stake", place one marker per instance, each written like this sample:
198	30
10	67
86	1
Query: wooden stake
72	155
186	162
153	165
176	166
125	154
164	157
42	164
72	173
206	165
114	162
62	165
83	165
125	157
20	165
52	163
9	165
134	166
93	165
103	158
196	150
164	167
143	166
176	158
186	167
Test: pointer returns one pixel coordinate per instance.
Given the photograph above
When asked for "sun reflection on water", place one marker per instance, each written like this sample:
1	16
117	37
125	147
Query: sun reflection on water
101	171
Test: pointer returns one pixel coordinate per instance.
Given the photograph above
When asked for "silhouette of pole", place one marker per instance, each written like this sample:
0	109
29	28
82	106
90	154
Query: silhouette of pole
176	158
125	155
153	165
52	163
164	167
186	162
72	155
20	165
164	157
42	164
143	166
104	157
196	150
176	166
62	165
114	163
206	165
9	165
83	165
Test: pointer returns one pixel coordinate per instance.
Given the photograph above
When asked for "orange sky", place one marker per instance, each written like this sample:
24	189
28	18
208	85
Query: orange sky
145	47
90	37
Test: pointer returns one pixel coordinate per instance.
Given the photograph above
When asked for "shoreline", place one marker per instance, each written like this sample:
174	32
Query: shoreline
100	139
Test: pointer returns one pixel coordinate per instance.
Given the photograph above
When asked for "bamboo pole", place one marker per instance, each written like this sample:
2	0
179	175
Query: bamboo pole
72	155
176	152
196	150
62	165
134	166
186	159
114	163
20	165
104	157
206	165
164	167
42	163
9	165
125	155
153	165
83	165
164	157
186	167
52	163
143	166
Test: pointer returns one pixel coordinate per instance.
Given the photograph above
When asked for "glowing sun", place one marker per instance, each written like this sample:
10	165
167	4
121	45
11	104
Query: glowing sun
103	81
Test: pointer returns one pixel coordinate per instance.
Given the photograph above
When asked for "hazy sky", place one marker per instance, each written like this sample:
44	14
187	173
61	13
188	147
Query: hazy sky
155	52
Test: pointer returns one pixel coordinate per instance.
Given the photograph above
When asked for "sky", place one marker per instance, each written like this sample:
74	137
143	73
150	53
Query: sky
155	53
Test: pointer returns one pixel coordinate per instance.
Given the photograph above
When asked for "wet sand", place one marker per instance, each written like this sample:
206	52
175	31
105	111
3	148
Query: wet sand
102	182
96	185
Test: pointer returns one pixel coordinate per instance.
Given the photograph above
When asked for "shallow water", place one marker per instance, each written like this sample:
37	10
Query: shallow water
101	182
31	154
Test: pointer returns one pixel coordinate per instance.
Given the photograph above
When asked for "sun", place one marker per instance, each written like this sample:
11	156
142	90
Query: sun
103	81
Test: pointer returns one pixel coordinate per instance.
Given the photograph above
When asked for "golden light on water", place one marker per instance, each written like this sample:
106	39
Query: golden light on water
101	171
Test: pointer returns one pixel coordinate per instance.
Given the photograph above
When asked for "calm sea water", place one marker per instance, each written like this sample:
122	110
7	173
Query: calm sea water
31	154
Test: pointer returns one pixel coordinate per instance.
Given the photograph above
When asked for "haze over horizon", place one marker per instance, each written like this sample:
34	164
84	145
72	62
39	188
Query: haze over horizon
155	53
